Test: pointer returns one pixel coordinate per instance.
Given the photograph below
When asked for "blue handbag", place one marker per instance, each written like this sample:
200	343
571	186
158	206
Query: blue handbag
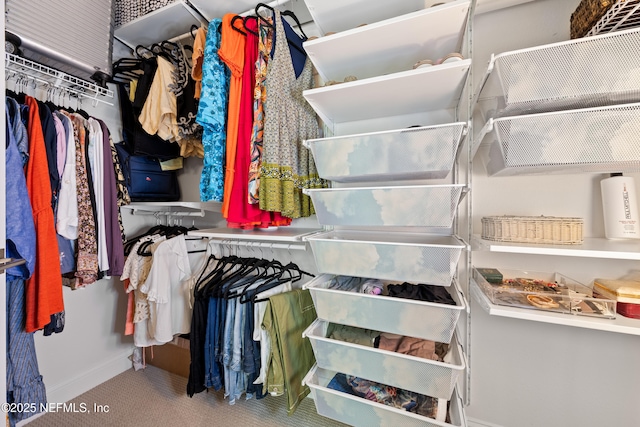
145	179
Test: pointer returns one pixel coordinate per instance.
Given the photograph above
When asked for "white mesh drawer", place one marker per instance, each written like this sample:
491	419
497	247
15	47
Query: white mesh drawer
581	73
430	259
424	376
420	319
357	411
413	153
585	140
417	205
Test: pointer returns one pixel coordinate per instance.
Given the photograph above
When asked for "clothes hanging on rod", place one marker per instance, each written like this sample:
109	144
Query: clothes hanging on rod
234	67
158	101
54	141
158	264
242	310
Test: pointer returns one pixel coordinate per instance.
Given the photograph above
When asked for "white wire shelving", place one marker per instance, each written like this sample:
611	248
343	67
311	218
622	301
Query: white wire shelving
621	16
36	73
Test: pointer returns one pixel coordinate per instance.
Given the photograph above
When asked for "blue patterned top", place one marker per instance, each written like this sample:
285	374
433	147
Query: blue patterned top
212	116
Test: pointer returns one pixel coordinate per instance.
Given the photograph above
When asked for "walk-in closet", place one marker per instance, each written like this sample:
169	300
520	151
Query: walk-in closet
321	213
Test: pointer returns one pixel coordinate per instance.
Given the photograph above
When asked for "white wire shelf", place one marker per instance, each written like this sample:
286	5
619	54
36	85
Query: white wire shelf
50	77
580	73
399	94
622	15
620	324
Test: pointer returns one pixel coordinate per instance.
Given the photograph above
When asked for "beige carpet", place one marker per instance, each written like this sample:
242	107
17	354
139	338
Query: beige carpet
156	398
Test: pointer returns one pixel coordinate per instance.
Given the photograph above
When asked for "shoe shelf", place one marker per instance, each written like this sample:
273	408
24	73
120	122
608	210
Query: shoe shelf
572	141
421	90
377	48
620	324
340	15
592	247
580	73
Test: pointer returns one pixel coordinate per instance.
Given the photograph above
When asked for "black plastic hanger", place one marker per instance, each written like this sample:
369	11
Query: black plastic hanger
246	18
295	18
193	28
233	20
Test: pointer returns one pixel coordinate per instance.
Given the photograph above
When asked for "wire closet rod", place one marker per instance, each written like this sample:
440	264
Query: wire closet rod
137	211
53	78
255	244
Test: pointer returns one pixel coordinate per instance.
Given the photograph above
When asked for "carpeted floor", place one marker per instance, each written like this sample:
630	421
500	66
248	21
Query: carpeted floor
156	398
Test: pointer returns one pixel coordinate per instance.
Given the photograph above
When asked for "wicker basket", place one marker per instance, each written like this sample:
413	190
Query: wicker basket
587	14
533	229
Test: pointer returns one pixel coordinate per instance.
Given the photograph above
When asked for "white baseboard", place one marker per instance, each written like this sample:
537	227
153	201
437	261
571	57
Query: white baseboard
472	422
86	381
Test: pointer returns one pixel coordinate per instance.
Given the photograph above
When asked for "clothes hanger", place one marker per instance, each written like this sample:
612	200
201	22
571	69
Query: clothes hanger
244	21
295	18
260	17
193	28
233	20
143	52
262	267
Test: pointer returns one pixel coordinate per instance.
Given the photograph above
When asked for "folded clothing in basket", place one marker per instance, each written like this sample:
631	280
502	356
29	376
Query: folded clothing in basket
391	396
357	284
421	292
417	347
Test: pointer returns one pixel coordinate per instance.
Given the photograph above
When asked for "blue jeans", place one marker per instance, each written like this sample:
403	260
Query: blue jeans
212	376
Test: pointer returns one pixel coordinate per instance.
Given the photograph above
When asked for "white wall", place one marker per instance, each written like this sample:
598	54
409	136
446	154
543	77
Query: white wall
530	374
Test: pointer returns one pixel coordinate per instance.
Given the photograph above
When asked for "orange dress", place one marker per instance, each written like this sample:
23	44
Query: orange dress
231	52
44	288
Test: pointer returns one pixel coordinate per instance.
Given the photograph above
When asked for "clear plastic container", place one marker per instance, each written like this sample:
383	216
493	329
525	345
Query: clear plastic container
545	291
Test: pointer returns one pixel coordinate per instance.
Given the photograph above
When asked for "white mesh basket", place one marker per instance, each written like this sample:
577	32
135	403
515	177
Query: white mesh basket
581	73
410	257
357	411
413	153
585	140
424	376
411	206
420	319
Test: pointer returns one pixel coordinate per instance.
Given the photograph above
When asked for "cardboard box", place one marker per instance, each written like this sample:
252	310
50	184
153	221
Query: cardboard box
173	357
